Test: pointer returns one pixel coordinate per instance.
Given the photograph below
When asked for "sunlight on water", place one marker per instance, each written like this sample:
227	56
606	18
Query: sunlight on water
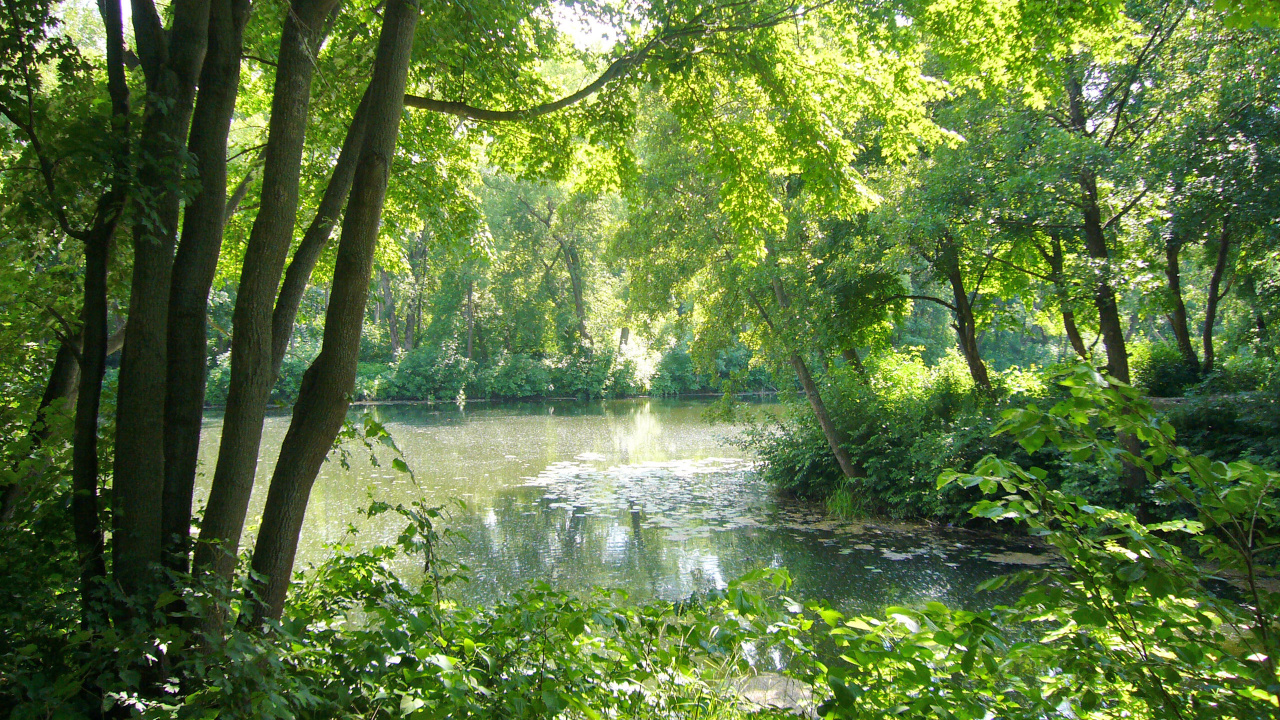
641	495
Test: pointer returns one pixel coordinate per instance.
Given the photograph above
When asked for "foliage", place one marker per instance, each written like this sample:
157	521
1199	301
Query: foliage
1161	370
431	373
905	423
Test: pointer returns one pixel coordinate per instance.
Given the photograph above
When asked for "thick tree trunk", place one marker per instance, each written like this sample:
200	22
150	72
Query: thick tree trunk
252	344
195	263
1178	308
171	61
1214	296
317	236
326	386
389	309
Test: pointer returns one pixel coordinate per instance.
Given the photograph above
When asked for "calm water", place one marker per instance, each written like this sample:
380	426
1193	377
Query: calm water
642	495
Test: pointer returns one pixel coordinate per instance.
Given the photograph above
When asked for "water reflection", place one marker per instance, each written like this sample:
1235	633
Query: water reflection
641	495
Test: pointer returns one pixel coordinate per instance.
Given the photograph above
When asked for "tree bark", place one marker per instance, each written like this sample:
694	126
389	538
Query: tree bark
317	236
195	264
1211	303
851	356
327	385
171	62
966	328
1096	245
63	377
471	319
252	371
1178	308
389	306
1073	333
835	438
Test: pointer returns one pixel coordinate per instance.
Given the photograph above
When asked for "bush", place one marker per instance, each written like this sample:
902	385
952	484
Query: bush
513	376
1245	427
1235	375
1161	370
430	373
905	423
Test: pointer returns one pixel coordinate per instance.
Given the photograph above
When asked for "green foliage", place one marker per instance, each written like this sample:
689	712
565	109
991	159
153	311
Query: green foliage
431	373
1133	613
1241	427
1161	370
904	422
677	373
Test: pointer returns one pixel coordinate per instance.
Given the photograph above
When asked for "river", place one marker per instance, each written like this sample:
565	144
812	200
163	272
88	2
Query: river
641	495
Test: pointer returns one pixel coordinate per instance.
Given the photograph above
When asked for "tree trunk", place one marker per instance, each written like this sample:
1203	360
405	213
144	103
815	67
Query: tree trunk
389	305
851	356
171	62
63	378
1211	302
471	319
326	386
317	236
1178	308
195	263
1096	245
252	370
1073	334
835	438
966	329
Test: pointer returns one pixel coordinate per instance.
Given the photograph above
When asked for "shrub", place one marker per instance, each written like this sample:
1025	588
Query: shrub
1236	374
431	373
905	423
513	376
1161	370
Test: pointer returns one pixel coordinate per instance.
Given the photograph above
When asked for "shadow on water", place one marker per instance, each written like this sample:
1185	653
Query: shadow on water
641	495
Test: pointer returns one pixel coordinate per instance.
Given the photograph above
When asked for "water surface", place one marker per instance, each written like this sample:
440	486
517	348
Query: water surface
642	495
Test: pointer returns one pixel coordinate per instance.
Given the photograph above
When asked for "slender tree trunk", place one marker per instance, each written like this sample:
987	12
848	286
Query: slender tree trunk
389	305
95	345
835	438
1073	333
1096	245
171	62
63	377
966	329
1178	308
471	319
1211	303
317	236
851	356
252	344
326	386
573	263
86	522
195	263
237	196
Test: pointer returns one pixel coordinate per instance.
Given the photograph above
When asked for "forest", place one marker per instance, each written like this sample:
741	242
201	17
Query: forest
1002	267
